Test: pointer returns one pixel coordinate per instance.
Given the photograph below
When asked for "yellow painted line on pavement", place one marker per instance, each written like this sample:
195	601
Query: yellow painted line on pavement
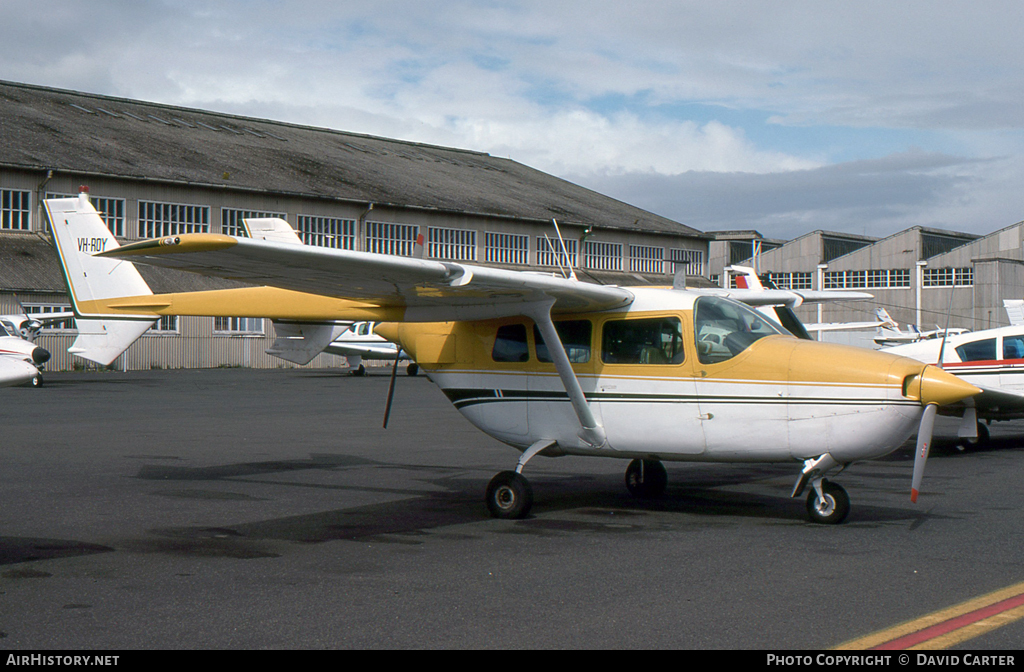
949	627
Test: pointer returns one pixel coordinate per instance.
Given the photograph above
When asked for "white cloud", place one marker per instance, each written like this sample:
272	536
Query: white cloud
724	112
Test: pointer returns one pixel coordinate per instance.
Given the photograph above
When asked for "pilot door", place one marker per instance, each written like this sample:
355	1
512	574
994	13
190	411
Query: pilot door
645	391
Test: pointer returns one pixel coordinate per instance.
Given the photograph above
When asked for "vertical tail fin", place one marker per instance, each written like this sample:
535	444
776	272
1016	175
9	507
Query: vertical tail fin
79	232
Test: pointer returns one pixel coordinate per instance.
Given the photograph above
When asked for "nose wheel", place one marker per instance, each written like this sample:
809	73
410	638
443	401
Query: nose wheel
828	503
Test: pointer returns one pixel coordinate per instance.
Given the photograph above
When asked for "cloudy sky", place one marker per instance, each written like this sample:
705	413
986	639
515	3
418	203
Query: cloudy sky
783	116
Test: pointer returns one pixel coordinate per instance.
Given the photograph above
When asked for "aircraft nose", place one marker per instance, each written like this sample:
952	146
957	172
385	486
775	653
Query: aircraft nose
40	355
935	386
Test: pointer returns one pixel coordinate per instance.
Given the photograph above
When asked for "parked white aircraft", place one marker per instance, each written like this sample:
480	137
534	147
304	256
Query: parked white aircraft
992	360
20	360
778	304
553	366
355	341
890	334
17	333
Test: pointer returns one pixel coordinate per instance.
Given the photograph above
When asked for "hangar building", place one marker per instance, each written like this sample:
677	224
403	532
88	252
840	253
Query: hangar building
156	170
919	275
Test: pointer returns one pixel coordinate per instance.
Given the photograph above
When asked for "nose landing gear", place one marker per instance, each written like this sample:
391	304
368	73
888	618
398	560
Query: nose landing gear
827	503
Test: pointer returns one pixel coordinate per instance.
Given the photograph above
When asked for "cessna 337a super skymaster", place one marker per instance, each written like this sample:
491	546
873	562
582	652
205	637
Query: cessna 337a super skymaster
553	366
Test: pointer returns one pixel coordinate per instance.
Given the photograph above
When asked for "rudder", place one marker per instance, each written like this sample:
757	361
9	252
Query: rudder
79	233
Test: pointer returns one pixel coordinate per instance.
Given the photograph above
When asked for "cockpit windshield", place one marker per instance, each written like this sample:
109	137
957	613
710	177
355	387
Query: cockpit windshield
725	328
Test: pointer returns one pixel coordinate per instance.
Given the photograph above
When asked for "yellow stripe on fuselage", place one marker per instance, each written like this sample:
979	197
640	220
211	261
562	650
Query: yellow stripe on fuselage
770	360
270	302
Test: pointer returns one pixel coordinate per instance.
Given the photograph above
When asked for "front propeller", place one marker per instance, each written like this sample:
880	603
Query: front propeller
935	388
924	443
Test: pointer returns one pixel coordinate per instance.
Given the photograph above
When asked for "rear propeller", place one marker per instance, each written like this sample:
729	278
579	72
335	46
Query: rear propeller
391	388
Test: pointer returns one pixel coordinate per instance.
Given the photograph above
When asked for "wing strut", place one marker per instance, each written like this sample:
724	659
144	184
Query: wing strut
591	430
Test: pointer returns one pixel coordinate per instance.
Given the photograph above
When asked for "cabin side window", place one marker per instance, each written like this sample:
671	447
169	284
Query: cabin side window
725	328
977	351
647	341
1013	347
575	336
510	344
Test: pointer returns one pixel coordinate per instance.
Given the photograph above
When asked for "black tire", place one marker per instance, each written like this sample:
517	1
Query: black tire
412	369
361	371
833	509
646	479
509	496
37	380
980	442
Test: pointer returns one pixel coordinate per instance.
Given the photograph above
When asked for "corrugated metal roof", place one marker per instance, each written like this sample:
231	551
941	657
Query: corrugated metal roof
28	263
52	129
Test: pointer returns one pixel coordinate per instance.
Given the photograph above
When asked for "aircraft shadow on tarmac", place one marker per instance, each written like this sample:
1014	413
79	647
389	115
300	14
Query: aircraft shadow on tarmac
697	495
24	549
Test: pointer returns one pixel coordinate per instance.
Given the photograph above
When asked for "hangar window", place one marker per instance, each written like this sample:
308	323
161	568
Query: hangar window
167	324
231	220
510	344
725	328
646	259
648	341
327	232
14	209
550	252
389	238
237	326
452	244
111	211
43	309
575	337
170	219
690	260
602	256
949	277
506	248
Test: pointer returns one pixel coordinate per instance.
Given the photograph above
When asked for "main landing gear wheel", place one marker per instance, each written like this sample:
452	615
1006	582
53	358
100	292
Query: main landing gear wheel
981	440
412	369
831	509
37	380
646	479
509	495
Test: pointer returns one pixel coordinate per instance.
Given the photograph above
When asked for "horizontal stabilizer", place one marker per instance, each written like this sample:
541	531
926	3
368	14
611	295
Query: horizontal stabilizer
273	229
102	341
300	342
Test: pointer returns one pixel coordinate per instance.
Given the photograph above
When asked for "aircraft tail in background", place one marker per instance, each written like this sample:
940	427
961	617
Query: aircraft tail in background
79	233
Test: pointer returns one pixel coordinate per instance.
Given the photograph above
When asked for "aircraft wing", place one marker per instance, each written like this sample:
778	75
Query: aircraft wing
994	401
785	297
427	290
842	326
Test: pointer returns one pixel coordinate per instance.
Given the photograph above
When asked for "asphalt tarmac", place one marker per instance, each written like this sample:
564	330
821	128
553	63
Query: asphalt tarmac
244	509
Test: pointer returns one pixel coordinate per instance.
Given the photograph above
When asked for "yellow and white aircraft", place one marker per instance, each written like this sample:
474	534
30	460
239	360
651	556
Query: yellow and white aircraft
553	366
